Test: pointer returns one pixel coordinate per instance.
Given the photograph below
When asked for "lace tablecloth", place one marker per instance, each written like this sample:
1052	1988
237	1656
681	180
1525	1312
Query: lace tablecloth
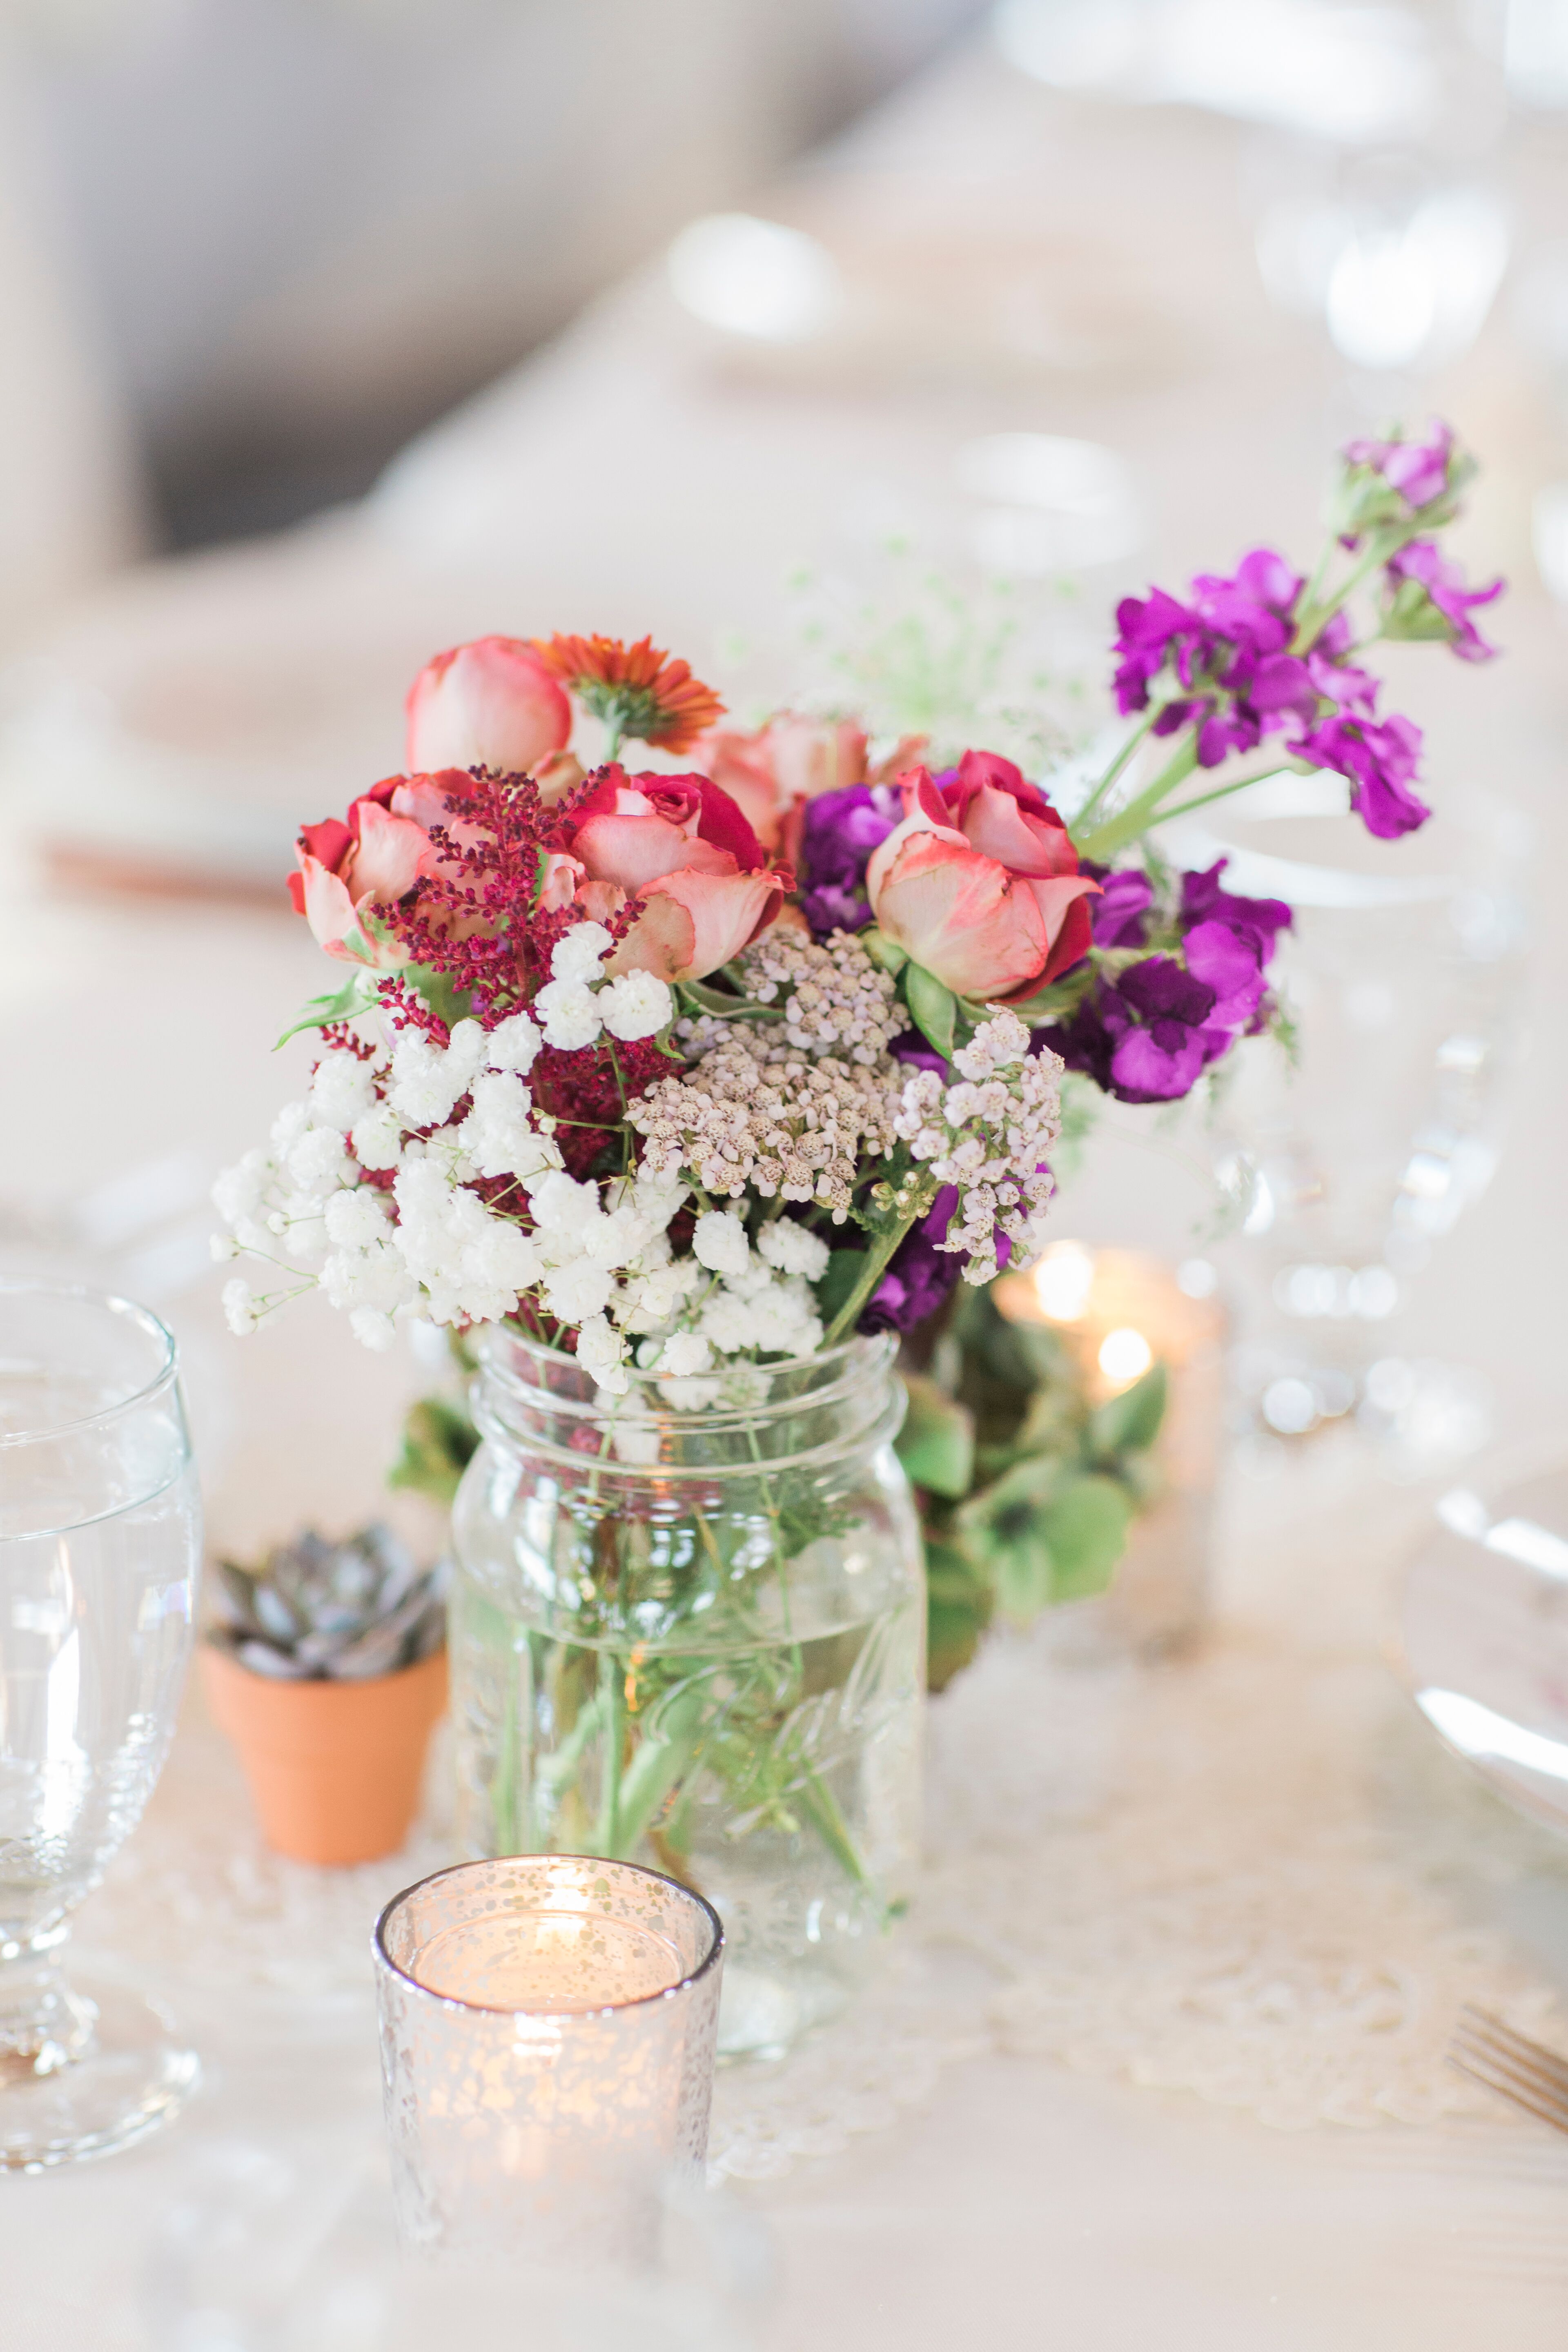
1248	1875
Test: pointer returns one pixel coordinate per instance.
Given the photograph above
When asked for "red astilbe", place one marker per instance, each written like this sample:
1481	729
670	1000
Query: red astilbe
585	1090
472	921
476	926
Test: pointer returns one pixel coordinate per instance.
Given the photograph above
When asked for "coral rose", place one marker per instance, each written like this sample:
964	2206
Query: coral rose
980	884
772	772
680	847
492	704
345	868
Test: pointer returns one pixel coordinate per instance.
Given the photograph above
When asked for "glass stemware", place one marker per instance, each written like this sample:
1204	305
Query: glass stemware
100	1547
1403	981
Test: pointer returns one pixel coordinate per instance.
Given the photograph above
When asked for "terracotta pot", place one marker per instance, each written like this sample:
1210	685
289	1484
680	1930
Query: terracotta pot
335	1768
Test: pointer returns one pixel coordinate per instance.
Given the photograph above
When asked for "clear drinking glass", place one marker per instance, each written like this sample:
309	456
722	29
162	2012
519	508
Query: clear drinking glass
688	1629
100	1547
1403	975
547	2037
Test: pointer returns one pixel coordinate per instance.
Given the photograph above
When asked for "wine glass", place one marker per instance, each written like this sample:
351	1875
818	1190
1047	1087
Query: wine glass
1356	1157
99	1545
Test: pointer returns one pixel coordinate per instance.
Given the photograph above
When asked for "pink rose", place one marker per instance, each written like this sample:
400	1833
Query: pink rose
980	884
492	704
791	760
346	868
680	847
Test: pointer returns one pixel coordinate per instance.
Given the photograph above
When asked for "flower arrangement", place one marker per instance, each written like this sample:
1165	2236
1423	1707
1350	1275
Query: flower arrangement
679	1093
682	1069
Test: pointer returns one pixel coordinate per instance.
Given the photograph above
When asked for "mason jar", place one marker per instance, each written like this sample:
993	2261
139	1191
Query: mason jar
688	1630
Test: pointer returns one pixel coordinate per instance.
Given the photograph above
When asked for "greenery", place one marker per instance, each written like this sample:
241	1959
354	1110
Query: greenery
1028	1488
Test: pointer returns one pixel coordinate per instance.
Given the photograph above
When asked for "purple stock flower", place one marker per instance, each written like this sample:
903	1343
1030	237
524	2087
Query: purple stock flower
918	1276
1418	470
1147	1036
1204	900
839	831
1230	645
1429	599
1380	762
1117	916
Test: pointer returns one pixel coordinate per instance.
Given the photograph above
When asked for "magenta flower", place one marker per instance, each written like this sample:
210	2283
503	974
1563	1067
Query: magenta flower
1380	761
839	831
1230	646
1259	920
1417	470
1149	1035
1118	915
1429	600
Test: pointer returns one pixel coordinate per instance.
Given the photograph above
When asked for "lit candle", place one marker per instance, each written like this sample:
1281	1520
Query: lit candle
548	2028
1121	1313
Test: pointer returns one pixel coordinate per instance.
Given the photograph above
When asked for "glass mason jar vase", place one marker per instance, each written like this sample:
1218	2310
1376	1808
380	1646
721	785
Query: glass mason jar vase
688	1629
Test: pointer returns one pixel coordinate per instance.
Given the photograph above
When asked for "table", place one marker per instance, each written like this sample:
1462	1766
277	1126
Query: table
601	486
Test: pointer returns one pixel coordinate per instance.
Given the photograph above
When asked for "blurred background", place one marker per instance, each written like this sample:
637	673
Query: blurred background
864	350
252	246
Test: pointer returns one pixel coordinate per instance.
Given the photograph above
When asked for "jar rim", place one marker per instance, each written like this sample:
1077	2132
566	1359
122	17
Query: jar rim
505	1392
859	1350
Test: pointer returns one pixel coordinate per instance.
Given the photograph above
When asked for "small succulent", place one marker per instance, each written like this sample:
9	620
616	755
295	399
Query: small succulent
315	1610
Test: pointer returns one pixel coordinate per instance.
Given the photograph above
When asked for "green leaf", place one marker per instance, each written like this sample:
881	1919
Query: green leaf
439	1441
936	1443
1050	1004
718	1000
959	1607
1044	1533
932	1007
448	1003
1003	1527
1086	1533
885	952
662	1755
357	994
1129	1423
835	1285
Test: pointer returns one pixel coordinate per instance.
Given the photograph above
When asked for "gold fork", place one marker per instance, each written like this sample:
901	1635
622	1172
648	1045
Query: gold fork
1511	2064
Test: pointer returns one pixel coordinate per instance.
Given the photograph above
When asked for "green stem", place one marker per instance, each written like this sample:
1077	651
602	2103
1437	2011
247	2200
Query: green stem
1220	793
1108	838
612	1700
827	1819
1315	617
876	1258
1116	767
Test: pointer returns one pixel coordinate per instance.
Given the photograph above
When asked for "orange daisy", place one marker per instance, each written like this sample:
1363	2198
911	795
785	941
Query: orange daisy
635	689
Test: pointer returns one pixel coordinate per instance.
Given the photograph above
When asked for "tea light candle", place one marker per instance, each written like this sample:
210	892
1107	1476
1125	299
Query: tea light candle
1121	1310
1121	1313
548	2026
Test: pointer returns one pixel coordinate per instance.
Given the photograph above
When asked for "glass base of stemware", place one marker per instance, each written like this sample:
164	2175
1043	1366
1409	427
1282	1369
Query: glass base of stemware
128	2075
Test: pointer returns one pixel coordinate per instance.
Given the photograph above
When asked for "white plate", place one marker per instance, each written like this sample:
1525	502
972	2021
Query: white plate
1485	1625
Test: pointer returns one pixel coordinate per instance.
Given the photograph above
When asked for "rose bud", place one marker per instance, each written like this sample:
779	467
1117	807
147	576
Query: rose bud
683	850
492	704
346	867
980	884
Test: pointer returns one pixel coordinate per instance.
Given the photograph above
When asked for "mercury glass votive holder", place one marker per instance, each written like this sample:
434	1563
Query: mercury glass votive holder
548	2026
